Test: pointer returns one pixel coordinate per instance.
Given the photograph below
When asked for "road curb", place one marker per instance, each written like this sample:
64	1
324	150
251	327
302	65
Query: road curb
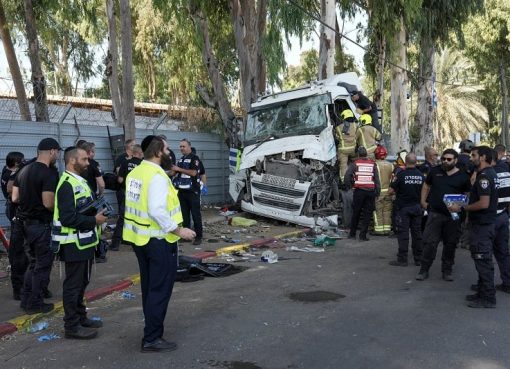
24	321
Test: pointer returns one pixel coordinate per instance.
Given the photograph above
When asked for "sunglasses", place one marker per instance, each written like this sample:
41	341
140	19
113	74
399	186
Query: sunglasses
447	159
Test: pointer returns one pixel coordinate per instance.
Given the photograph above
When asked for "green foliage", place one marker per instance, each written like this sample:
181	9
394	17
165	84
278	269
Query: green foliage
303	73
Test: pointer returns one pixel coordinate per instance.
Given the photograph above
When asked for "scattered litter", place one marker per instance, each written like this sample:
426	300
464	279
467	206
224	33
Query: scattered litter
240	221
228	213
96	318
304	249
37	327
265	226
324	240
48	337
212	240
198	248
269	257
127	295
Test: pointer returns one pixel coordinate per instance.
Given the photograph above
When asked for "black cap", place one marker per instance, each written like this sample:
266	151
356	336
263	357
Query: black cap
147	141
48	144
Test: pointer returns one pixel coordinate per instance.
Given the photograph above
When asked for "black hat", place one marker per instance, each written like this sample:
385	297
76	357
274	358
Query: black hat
352	93
48	144
147	141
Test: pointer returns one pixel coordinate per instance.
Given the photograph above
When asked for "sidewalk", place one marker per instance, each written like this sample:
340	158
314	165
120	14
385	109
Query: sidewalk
122	264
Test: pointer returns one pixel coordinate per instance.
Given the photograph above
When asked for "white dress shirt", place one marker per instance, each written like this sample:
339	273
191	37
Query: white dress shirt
158	193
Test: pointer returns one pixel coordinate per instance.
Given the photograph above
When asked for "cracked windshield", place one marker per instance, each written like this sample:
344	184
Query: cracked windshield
293	117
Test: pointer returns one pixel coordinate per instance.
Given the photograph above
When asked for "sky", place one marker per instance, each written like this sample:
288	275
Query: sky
292	55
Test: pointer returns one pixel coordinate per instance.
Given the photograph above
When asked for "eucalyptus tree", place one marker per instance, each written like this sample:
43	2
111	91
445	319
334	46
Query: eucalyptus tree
437	21
487	38
12	60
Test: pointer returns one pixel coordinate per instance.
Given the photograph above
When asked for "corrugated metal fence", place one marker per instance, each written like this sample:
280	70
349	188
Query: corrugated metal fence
24	137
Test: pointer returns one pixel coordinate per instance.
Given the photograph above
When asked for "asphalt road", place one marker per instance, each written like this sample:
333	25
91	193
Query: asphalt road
378	317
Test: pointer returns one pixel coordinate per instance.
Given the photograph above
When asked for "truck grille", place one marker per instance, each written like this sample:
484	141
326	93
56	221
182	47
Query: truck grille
277	203
279	190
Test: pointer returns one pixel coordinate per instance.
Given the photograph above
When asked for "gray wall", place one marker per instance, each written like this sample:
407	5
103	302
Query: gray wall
24	137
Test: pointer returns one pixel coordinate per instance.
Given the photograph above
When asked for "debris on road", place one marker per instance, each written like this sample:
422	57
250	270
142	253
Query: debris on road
324	240
127	295
242	222
304	249
269	256
37	327
48	337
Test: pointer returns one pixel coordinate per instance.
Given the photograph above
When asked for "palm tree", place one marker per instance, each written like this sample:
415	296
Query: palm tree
459	110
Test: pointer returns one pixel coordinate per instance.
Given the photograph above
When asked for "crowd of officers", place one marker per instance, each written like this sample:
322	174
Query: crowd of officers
407	201
50	215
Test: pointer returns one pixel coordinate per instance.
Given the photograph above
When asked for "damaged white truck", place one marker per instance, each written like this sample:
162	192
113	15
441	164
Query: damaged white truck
288	169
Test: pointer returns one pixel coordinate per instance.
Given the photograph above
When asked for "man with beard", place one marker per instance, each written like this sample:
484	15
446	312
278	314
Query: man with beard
187	181
34	192
152	225
75	236
441	180
482	208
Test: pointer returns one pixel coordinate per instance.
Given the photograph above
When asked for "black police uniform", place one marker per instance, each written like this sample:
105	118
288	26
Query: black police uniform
440	225
32	181
189	193
126	167
17	258
93	171
364	103
501	252
464	163
407	185
482	232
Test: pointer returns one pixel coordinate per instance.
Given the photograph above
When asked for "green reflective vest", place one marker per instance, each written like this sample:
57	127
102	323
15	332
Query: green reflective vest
62	235
139	227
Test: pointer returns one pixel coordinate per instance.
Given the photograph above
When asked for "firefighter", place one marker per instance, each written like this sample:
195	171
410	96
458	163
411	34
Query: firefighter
345	134
367	136
363	176
384	204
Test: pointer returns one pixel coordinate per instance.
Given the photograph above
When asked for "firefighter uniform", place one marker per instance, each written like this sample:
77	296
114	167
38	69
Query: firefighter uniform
367	135
345	134
363	176
383	204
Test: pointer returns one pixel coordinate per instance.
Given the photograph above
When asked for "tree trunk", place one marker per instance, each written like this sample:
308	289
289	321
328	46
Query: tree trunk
112	62
425	110
504	94
381	63
248	19
220	100
399	115
327	39
12	60
38	82
128	99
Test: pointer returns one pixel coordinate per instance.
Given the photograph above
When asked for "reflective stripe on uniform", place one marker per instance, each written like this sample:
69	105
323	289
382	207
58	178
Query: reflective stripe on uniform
136	212
144	232
65	238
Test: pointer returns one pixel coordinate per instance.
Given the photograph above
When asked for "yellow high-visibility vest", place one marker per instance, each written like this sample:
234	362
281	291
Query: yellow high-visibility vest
139	227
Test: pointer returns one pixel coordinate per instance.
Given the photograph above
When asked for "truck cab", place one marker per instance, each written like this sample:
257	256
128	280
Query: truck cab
288	169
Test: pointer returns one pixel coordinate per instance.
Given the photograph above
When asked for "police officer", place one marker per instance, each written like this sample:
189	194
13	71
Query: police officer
407	187
431	159
74	236
34	192
384	203
363	176
152	224
464	163
16	252
126	167
345	134
367	135
501	159
482	208
187	181
441	180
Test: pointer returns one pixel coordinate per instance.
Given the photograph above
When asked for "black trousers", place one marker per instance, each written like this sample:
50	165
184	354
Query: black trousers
158	268
73	290
440	227
362	200
40	259
190	203
409	218
481	239
117	232
501	253
17	257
